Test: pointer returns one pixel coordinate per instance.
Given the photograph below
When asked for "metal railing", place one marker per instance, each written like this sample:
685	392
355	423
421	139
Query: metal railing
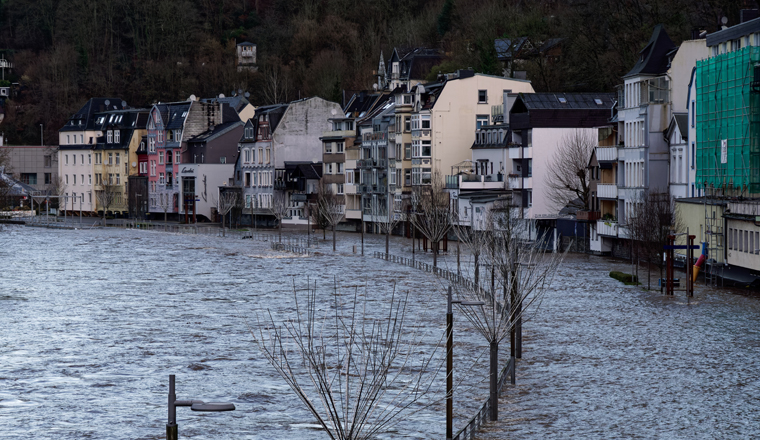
290	248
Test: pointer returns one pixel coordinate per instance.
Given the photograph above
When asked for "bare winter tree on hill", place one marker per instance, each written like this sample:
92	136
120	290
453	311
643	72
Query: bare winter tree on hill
431	213
567	177
357	369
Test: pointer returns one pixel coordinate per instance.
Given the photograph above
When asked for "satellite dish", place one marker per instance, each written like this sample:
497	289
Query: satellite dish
247	95
124	104
221	95
134	164
240	91
192	98
333	112
374	86
724	20
109	102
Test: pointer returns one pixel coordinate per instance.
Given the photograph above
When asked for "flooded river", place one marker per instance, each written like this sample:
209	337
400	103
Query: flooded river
94	322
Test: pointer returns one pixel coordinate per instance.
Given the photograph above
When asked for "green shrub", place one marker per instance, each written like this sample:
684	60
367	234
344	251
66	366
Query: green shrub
627	279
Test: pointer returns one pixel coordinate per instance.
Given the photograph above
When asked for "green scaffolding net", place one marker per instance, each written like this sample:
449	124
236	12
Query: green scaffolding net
728	121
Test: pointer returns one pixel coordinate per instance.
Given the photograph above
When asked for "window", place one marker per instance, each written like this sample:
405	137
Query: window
268	161
407	151
81	178
177	135
66	159
246	156
407	177
81	157
151	145
480	120
340	167
425	149
68	141
160	157
529	196
425	122
223	159
329	168
110	158
482	96
153	168
160	136
340	146
340	188
48	178
116	136
261	155
118	179
89	179
109	137
328	147
407	123
89	158
118	159
247	182
350	176
160	178
530	168
407	99
110	178
67	179
74	158
31	178
49	161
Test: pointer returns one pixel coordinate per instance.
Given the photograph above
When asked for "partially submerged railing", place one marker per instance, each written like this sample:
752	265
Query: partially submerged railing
290	248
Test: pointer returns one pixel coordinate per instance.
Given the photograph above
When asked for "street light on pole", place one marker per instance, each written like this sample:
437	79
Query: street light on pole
450	361
172	429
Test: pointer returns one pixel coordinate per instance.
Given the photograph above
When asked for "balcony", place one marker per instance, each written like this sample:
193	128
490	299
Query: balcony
607	228
607	191
587	216
474	181
382	163
515	181
606	154
364	163
339	133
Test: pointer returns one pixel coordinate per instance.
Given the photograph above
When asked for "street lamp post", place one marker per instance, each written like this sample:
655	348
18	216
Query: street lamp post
172	429
450	361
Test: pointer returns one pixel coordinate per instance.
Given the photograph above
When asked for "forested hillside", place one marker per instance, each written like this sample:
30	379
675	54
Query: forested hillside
147	51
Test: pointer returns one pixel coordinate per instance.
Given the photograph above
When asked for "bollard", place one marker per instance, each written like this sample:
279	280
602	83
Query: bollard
354	248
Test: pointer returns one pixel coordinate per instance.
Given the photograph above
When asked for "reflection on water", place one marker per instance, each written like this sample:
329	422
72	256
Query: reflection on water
94	321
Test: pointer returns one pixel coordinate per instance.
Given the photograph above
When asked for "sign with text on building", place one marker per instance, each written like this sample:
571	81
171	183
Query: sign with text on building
724	151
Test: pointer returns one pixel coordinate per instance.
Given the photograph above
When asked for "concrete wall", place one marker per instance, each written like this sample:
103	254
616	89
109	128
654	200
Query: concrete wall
680	71
296	138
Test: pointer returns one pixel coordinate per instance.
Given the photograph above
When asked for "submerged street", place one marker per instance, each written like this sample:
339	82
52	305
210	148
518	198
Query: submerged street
95	320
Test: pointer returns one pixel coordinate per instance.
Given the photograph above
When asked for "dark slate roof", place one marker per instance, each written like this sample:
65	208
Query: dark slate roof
236	102
84	119
306	170
363	102
275	113
575	101
734	32
174	119
215	132
126	121
680	120
505	49
415	63
246	43
16	188
655	58
143	147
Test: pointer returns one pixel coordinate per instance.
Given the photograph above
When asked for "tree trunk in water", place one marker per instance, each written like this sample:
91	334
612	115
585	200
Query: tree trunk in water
333	238
280	231
435	253
324	236
477	270
387	239
362	234
494	379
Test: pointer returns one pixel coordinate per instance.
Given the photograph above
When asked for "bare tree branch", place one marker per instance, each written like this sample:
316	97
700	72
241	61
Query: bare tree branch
567	179
279	209
227	201
331	208
431	211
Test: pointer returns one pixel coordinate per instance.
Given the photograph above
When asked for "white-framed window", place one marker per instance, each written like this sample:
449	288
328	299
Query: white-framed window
151	144
110	158
89	179
117	136
75	179
81	178
480	120
482	96
261	155
160	178
66	159
68	141
176	156
89	158
340	147
349	176
109	136
425	122
118	159
118	179
426	149
160	135
160	157
247	200
340	167
177	135
246	156
340	188
268	157
328	147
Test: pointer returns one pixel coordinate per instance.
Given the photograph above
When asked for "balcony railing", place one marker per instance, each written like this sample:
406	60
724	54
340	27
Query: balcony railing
607	227
587	216
607	190
606	154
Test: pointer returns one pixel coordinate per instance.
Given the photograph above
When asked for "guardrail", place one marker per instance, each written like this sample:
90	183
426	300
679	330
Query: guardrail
442	273
290	248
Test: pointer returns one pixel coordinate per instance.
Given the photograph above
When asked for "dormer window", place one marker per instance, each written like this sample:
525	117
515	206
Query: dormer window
109	137
117	136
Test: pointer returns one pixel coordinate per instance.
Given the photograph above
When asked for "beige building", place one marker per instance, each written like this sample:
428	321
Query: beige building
446	115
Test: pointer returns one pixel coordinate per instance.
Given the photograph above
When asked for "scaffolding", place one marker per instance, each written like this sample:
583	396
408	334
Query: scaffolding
728	123
714	236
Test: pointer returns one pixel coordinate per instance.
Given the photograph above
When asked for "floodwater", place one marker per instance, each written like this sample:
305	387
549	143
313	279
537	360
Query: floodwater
94	321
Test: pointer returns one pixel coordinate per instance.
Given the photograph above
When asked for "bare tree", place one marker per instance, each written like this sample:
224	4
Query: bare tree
567	178
107	197
331	208
357	371
227	201
431	213
387	218
164	204
474	237
653	220
279	209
